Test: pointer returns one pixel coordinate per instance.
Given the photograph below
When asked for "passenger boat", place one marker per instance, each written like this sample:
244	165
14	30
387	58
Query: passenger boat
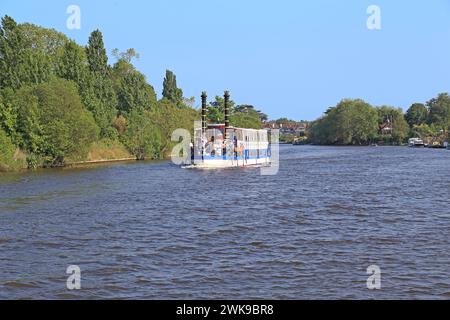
416	143
225	146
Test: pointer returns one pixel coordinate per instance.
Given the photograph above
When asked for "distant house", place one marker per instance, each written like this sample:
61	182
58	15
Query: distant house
290	128
386	128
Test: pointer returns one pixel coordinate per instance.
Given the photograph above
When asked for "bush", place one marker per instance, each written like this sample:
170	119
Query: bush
141	137
53	122
7	152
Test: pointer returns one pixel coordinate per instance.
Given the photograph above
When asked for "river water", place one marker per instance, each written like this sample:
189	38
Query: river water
151	230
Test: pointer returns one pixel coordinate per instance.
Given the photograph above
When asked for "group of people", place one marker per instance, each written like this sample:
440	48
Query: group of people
218	147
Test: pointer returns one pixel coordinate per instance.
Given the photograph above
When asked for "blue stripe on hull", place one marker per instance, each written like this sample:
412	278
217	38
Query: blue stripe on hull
249	155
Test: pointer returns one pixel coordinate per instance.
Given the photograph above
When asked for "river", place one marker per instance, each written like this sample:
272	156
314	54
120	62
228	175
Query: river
151	230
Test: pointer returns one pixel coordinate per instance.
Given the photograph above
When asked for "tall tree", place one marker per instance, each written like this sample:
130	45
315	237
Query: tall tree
395	117
96	54
350	122
53	122
7	151
22	60
170	89
417	114
10	41
133	91
440	111
102	99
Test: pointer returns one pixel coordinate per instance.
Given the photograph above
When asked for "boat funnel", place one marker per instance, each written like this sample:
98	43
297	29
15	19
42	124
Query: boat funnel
226	102
204	111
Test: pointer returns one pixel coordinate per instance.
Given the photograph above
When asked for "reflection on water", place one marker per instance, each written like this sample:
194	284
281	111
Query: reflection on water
153	230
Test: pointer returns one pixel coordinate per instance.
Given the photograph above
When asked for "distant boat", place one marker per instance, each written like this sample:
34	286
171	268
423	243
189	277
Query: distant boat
298	142
436	145
415	143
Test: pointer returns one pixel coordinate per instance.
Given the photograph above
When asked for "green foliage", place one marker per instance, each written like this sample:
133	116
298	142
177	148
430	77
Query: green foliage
242	116
249	119
52	122
57	98
133	91
424	131
396	120
417	114
246	116
142	137
350	122
8	115
96	54
216	110
7	152
99	95
169	117
170	90
72	65
439	111
26	53
126	56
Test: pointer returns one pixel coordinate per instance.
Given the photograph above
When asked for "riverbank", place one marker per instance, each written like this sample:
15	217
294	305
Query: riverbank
101	152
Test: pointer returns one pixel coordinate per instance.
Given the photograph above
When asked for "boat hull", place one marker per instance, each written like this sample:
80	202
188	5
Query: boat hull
220	163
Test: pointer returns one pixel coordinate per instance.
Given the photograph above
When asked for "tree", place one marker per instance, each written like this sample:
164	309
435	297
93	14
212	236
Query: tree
439	111
170	90
216	109
7	152
96	54
396	119
23	59
126	56
425	131
8	115
72	65
350	122
53	122
141	136
101	99
169	117
417	114
133	91
246	116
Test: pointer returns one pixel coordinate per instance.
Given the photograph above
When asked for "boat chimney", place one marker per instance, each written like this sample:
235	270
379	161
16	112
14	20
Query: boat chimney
204	111
227	112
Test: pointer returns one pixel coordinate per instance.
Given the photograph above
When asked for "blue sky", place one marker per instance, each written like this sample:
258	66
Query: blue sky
287	57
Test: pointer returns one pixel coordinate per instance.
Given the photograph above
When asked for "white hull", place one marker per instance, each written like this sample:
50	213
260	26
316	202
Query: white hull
223	164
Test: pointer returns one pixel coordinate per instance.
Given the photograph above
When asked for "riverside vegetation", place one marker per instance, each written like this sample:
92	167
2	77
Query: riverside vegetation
62	102
356	122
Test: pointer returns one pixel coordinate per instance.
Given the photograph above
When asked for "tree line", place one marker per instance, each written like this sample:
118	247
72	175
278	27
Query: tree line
356	122
58	98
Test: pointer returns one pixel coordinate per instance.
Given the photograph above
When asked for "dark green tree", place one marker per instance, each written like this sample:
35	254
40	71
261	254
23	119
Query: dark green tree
170	90
141	136
417	114
133	91
396	119
7	154
53	122
96	54
169	117
101	98
22	60
439	111
350	122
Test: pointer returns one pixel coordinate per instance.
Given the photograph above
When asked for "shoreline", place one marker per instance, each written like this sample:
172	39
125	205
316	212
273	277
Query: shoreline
102	161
